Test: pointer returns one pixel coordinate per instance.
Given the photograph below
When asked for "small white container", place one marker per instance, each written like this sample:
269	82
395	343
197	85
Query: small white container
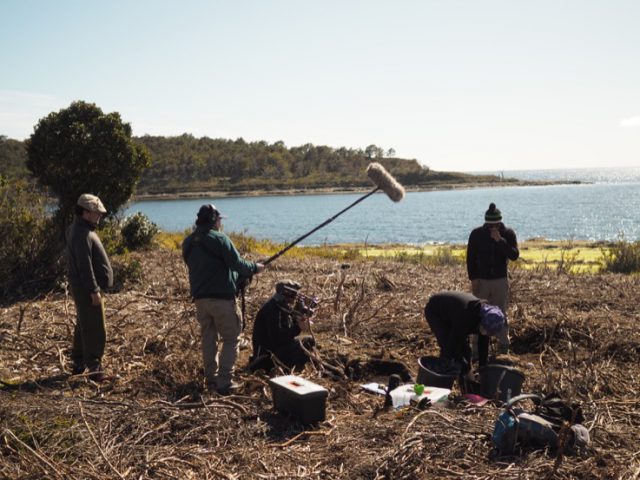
405	395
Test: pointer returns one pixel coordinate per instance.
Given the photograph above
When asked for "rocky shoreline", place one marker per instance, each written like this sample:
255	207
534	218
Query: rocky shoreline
337	191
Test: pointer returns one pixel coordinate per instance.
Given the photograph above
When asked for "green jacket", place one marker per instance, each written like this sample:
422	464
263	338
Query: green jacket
214	264
87	262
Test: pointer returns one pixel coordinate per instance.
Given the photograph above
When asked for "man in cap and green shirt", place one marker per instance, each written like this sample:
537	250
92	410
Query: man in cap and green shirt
215	269
89	273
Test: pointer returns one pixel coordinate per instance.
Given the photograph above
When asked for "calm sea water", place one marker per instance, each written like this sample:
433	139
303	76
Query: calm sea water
599	211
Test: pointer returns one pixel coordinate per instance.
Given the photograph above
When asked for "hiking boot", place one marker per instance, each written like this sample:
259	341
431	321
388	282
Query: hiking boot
99	376
228	389
77	369
212	386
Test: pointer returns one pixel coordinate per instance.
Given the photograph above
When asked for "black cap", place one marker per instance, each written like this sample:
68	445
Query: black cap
208	214
288	288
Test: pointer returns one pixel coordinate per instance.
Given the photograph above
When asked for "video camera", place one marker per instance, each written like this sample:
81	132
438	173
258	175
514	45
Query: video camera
301	305
305	306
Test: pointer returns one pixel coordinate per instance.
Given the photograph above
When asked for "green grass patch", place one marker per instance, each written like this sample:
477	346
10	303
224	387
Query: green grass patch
569	257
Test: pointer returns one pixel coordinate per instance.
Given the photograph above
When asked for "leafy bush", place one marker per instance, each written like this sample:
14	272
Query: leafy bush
81	149
138	231
30	251
622	257
110	232
126	271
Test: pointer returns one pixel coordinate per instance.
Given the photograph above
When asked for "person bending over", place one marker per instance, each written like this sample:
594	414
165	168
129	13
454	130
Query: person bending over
453	316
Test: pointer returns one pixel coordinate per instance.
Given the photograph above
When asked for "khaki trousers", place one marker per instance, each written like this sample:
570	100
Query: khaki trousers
495	292
219	320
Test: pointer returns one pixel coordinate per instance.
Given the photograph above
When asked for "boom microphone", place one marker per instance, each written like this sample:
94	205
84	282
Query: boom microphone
383	180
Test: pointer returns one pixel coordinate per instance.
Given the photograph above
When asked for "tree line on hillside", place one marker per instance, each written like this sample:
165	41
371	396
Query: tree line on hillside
81	149
220	164
188	164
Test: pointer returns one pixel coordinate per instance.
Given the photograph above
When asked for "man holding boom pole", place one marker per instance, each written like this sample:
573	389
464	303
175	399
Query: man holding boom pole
215	269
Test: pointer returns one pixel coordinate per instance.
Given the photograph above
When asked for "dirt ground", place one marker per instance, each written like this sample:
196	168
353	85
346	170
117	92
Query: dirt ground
576	335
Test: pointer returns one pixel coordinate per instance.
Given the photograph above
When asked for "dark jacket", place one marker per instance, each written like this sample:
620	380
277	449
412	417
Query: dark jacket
453	316
273	329
87	262
214	264
486	258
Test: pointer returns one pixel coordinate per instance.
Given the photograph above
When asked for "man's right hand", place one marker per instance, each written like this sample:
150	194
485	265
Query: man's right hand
259	267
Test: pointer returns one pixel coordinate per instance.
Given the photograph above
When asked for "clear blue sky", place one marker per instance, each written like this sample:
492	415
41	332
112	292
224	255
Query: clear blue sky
458	85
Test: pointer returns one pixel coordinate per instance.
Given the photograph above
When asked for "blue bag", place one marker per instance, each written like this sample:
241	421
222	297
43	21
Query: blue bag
516	428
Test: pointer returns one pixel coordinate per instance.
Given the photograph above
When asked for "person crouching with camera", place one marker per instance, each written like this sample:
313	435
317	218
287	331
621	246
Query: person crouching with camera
276	331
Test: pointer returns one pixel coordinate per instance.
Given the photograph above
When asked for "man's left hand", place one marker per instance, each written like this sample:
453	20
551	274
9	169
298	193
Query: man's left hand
96	299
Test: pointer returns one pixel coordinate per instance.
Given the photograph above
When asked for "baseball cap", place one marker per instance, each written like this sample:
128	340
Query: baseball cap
208	214
91	203
287	287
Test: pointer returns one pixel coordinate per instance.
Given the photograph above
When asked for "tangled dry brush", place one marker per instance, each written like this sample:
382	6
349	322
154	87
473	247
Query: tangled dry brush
574	334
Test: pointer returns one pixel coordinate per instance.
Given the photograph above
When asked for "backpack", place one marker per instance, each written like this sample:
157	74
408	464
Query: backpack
541	428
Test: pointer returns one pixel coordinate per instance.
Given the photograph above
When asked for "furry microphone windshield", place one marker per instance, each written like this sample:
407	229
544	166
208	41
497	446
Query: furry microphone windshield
385	182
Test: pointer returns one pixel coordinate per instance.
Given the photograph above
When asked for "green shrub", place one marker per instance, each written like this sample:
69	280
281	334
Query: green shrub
81	149
622	257
126	271
30	251
138	231
110	232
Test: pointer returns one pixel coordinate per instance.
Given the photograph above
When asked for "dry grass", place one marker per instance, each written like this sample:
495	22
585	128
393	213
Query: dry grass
574	334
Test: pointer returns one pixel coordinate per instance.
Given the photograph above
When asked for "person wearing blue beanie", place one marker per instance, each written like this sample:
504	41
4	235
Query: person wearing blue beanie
453	316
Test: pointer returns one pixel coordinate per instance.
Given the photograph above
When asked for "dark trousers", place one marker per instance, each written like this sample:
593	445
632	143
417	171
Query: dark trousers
291	354
89	335
441	328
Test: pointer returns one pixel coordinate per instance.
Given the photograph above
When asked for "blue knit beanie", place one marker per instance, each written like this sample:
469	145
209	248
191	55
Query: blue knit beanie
491	319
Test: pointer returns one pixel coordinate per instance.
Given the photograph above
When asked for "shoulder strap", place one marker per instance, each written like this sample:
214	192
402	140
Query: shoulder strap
556	410
536	399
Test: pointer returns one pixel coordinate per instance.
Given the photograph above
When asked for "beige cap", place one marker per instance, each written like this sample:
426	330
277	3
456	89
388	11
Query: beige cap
91	203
